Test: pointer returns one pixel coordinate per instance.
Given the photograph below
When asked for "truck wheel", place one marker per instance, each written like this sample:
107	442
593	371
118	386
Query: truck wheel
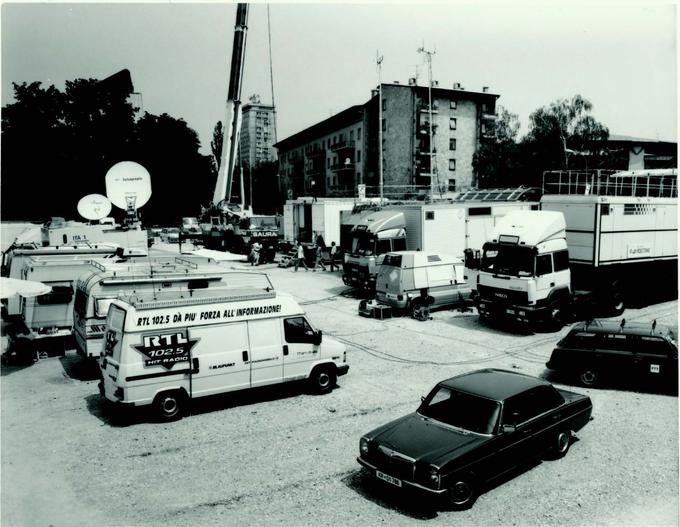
462	493
169	406
588	377
322	380
616	303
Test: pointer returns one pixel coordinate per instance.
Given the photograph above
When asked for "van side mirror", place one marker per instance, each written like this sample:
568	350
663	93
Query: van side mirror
318	337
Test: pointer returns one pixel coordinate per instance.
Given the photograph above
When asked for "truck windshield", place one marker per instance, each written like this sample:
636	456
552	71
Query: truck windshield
511	260
363	244
261	222
462	410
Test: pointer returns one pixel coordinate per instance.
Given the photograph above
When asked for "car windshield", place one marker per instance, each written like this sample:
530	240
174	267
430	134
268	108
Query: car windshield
511	260
462	410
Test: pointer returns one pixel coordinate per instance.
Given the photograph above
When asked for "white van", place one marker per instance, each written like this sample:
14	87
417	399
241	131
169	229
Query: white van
411	279
165	352
179	277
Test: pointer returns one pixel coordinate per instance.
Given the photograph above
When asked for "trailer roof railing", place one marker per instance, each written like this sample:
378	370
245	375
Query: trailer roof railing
661	183
520	193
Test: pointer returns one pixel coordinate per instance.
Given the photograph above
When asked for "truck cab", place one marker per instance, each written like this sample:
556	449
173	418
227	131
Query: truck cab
524	270
377	234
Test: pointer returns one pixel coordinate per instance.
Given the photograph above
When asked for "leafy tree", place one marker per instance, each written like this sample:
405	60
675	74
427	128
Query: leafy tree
216	145
495	162
563	129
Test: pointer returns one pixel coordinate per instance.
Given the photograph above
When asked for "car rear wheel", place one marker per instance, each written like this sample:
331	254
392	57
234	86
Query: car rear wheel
561	445
169	406
462	493
322	380
588	377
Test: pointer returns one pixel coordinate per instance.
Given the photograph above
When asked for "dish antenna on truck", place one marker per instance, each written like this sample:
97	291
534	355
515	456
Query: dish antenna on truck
128	186
94	207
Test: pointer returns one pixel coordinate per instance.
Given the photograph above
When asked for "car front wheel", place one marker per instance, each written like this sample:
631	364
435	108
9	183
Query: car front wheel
561	444
462	493
322	380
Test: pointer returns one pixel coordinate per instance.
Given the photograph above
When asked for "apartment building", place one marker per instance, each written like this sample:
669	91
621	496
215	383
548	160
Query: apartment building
332	157
258	133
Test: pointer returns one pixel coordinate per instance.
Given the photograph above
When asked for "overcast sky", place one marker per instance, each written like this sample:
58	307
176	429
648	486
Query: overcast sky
622	57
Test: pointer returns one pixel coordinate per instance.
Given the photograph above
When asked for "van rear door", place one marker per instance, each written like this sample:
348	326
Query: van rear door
223	358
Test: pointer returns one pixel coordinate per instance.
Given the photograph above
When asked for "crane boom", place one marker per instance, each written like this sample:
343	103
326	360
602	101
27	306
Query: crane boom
232	124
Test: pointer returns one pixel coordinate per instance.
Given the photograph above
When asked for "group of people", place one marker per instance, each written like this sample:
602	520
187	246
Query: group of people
319	247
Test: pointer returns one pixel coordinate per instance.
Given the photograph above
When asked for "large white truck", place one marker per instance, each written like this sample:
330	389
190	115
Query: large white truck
444	227
303	217
598	242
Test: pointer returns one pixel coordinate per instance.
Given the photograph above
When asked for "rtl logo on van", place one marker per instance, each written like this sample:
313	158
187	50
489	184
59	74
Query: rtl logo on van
167	349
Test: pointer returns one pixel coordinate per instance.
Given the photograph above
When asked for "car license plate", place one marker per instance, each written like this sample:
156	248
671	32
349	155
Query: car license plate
388	478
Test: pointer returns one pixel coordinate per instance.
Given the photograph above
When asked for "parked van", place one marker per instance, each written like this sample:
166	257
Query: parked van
413	279
180	277
165	352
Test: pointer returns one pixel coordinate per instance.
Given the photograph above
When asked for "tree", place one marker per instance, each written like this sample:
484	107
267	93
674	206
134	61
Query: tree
565	128
216	145
495	161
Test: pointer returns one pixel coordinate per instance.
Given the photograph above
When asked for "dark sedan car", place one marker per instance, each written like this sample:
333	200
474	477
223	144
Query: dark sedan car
471	429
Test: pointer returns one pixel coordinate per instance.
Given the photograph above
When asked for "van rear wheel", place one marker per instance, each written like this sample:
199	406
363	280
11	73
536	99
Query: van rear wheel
169	406
322	380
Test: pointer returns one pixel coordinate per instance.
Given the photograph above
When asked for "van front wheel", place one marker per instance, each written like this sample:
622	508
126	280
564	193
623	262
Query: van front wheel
169	406
322	380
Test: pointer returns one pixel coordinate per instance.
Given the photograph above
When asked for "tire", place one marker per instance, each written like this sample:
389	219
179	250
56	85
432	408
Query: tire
588	377
462	493
561	444
322	380
616	301
169	406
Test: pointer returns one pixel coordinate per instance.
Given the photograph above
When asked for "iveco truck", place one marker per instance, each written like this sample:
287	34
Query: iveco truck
598	242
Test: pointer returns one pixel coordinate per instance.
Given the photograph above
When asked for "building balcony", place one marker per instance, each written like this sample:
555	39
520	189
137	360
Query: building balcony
315	154
426	109
424	128
341	167
342	145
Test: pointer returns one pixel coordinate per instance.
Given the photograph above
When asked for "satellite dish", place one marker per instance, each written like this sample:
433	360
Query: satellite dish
94	207
128	185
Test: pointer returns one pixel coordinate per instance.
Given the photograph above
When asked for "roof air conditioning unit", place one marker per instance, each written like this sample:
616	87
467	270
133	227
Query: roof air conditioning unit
485	89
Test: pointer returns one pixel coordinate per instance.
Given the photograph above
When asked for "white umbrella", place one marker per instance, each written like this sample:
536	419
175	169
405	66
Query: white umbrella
11	287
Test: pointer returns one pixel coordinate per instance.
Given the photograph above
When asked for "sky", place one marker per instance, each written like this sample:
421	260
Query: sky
620	56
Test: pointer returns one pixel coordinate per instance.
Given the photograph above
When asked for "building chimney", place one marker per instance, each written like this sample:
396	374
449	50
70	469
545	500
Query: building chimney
396	82
435	84
456	85
374	93
485	89
412	81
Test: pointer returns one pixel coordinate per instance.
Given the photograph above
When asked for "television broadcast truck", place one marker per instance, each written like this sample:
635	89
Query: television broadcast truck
599	241
449	227
162	352
181	277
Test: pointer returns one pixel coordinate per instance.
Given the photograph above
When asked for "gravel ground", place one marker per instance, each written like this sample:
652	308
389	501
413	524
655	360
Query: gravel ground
281	456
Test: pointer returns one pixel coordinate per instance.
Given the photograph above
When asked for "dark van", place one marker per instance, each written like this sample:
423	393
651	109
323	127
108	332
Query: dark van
603	350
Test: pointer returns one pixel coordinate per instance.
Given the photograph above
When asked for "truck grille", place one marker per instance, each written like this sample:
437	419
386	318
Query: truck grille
502	296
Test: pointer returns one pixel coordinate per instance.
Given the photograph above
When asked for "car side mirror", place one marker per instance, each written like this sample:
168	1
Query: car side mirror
318	336
508	429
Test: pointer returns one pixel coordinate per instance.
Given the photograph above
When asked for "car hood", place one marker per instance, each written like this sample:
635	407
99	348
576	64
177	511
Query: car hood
425	439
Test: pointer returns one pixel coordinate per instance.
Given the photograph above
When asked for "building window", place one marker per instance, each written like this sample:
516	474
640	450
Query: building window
323	144
452	144
452	123
452	185
351	135
358	156
358	134
328	163
358	177
384	126
429	214
384	104
454	105
452	164
485	107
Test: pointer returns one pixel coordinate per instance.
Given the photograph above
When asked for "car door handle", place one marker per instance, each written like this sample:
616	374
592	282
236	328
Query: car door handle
557	416
245	355
285	349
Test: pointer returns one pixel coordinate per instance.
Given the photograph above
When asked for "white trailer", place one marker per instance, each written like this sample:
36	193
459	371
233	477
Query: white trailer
305	216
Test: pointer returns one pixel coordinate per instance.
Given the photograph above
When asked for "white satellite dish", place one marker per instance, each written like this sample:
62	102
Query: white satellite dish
94	207
128	185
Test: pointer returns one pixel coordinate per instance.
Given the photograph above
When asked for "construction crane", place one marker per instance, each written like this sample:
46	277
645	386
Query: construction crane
232	125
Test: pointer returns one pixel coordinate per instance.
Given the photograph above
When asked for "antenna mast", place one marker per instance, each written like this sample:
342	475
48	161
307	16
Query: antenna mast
433	164
378	61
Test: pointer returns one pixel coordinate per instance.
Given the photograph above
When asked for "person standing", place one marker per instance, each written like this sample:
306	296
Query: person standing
255	253
319	258
300	257
334	252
